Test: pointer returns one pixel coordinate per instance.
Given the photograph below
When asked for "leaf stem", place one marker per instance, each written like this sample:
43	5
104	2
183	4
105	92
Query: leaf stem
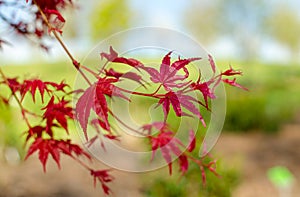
90	71
103	67
125	125
153	95
81	163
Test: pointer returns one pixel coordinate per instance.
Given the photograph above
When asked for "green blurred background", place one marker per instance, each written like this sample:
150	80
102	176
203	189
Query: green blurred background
259	37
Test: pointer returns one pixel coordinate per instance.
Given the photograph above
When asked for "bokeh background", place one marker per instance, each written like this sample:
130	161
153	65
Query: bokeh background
262	128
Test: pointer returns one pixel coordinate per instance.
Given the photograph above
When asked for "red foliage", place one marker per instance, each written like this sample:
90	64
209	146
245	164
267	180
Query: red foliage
192	141
167	74
167	143
206	91
175	97
170	98
54	116
113	56
59	112
54	148
231	72
234	83
128	75
103	177
31	86
212	63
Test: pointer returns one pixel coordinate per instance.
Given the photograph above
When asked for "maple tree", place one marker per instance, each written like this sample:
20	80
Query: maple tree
172	83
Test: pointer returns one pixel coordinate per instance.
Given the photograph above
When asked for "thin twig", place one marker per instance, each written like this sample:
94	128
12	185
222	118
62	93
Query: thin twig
125	125
75	63
16	98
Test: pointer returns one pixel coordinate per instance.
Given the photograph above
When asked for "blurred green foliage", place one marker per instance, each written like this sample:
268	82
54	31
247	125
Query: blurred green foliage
109	17
272	101
10	129
191	184
284	25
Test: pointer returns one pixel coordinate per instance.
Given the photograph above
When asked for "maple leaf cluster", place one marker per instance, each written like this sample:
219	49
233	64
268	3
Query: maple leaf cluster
55	115
173	83
170	79
169	145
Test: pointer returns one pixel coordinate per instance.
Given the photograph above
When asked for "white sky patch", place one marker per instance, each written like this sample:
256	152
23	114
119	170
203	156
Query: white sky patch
162	20
273	52
222	48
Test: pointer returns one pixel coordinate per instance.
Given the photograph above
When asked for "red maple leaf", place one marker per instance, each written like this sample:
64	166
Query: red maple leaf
183	163
83	108
94	99
182	63
231	72
54	148
44	147
167	75
192	141
56	13
52	5
234	83
105	86
170	98
13	84
31	86
58	87
69	149
58	111
167	143
206	91
187	102
113	56
128	75
103	177
36	132
88	101
179	100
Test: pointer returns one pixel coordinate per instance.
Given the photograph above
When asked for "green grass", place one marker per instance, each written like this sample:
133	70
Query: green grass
47	71
191	184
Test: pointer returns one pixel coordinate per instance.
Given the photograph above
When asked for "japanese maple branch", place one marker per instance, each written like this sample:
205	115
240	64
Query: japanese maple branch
16	98
75	63
80	162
